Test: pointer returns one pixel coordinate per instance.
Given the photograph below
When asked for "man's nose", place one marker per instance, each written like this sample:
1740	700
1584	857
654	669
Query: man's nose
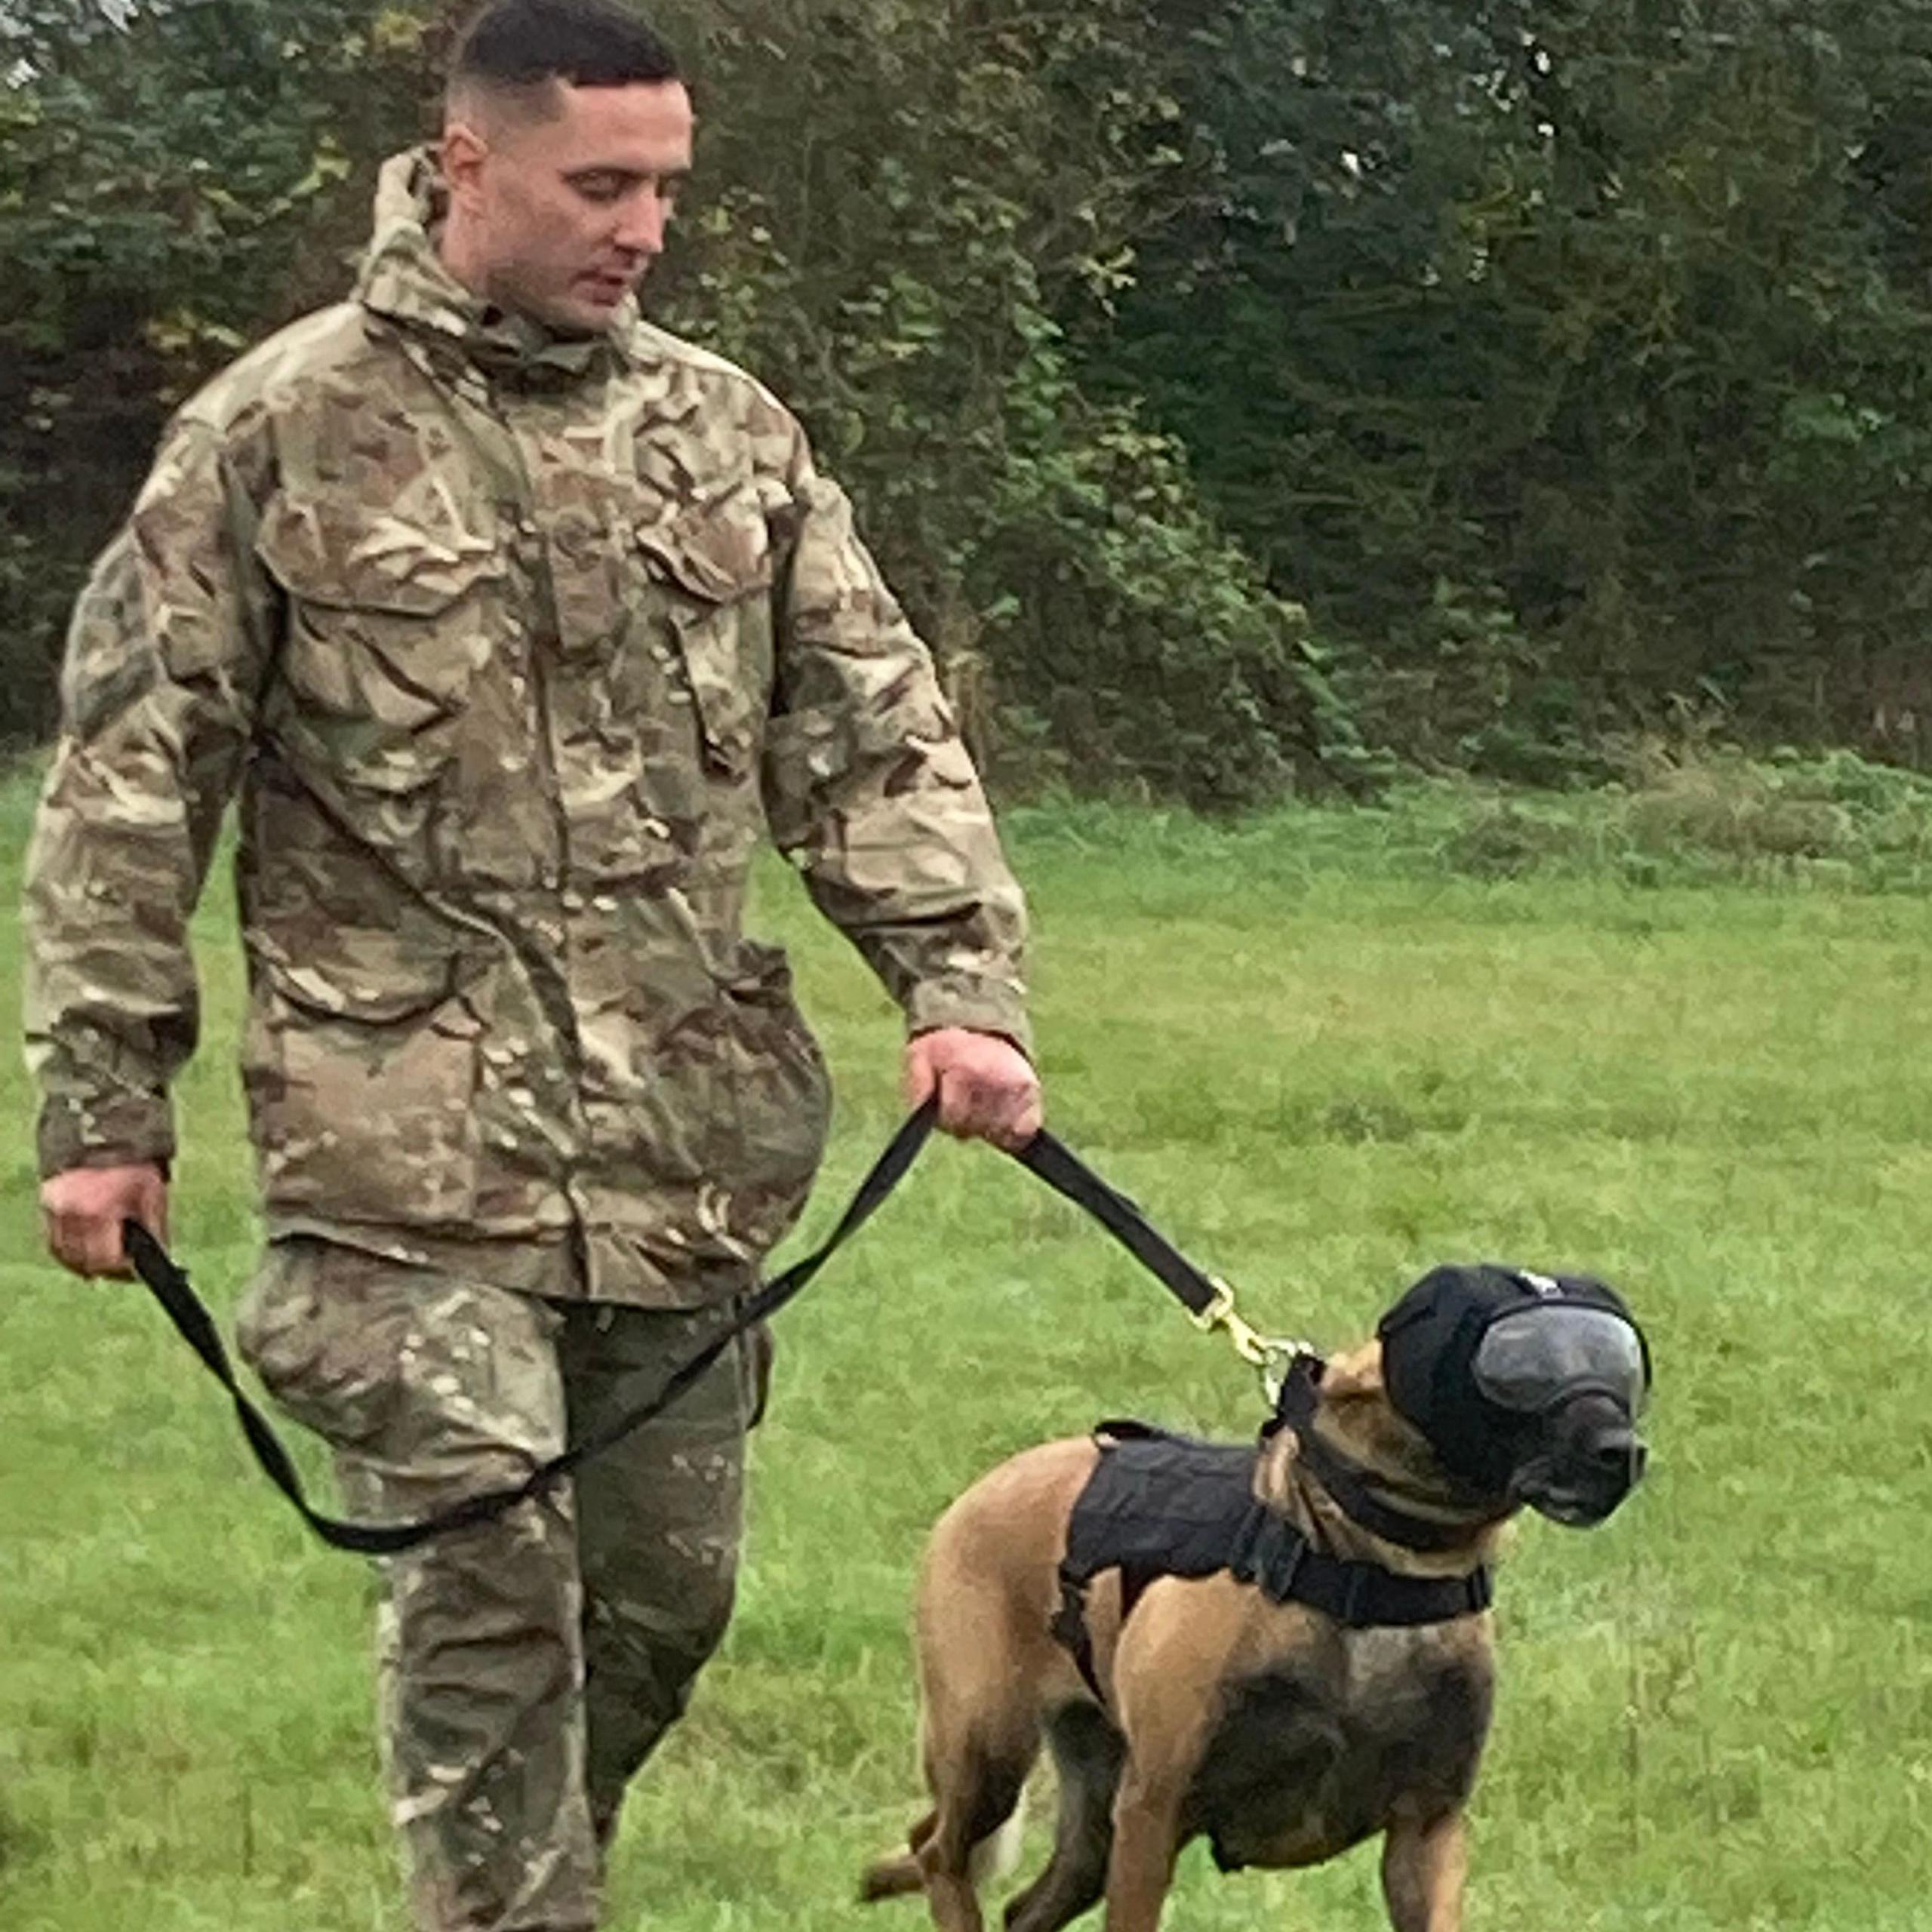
640	230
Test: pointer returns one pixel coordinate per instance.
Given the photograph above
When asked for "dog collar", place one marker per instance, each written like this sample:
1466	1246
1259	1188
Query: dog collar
1343	1478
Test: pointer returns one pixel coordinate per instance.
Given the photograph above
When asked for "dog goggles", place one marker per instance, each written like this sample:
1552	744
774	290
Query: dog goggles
1534	1359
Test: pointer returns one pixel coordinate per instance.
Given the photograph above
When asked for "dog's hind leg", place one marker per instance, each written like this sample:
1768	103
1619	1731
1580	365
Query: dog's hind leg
987	1594
1425	1862
1087	1753
977	1788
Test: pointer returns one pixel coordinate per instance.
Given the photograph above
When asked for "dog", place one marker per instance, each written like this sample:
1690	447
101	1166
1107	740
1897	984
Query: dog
1288	1648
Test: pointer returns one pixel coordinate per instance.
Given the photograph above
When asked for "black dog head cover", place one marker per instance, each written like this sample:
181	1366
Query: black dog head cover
1475	1357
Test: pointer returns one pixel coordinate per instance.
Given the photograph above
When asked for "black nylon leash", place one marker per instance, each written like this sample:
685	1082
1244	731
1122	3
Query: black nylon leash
1055	1164
1067	1174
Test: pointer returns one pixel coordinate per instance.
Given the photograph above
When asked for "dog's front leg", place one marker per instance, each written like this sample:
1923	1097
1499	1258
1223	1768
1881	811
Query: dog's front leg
1146	1840
1424	1863
1166	1680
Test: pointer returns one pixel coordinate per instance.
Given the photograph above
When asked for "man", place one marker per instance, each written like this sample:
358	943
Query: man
510	619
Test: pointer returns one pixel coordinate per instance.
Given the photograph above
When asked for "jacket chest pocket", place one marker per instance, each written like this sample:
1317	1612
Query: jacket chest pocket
714	564
389	622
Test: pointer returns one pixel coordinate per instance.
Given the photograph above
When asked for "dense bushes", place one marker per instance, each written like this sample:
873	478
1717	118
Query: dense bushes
1570	360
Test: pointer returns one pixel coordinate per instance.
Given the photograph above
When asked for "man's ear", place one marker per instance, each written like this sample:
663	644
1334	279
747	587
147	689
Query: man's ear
464	152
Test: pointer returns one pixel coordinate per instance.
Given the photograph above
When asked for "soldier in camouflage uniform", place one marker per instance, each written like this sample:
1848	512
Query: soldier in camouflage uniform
512	620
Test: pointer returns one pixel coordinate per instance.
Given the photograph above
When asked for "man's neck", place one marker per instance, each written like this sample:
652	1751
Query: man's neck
455	248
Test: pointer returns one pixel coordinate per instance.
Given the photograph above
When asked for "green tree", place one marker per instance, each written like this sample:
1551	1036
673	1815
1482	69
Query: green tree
173	179
1568	359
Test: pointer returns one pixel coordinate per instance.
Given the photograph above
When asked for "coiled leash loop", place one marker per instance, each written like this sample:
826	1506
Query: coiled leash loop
1210	1302
170	1285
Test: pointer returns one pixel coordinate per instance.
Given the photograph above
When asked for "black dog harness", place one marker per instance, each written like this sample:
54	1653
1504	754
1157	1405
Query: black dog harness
1159	1505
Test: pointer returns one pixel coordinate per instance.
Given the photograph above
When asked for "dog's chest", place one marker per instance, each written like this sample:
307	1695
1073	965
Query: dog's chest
1311	1756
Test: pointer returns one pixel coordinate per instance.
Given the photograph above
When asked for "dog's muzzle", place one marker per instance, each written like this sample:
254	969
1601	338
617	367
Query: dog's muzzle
1586	1459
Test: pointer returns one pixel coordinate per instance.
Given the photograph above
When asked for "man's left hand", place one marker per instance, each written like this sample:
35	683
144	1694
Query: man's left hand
987	1088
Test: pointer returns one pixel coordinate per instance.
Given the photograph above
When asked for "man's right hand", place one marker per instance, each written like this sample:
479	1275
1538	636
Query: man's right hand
82	1211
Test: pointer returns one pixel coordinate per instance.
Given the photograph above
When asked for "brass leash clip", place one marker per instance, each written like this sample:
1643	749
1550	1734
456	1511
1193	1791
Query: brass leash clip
1270	1355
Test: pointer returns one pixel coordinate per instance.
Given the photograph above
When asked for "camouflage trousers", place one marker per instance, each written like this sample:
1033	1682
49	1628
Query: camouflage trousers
527	1667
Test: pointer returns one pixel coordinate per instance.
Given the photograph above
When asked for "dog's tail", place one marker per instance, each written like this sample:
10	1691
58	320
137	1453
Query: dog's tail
995	1857
893	1877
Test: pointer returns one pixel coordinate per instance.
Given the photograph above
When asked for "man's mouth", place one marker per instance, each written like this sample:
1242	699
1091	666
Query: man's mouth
605	288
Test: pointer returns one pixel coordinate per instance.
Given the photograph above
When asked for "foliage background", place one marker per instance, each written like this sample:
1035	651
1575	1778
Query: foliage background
1244	393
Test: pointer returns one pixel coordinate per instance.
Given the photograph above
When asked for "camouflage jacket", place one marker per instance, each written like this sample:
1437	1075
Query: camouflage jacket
512	646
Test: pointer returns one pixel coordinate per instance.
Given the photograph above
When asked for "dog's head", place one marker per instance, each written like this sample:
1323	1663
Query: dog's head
1526	1387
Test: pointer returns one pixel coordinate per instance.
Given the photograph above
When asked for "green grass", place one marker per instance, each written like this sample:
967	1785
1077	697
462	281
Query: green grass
1325	1050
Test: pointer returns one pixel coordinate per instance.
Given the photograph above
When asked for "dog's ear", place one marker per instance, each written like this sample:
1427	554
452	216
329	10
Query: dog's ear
1359	1415
1354	1375
1366	1424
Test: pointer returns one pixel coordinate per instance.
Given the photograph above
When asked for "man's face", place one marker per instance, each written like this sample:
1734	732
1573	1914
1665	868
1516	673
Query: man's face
558	216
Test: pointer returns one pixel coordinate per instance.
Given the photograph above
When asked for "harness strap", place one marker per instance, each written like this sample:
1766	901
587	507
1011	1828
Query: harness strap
1159	1505
170	1286
1068	1629
1287	1569
1360	1595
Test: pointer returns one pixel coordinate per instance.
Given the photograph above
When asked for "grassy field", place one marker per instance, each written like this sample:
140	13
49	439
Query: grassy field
1325	1051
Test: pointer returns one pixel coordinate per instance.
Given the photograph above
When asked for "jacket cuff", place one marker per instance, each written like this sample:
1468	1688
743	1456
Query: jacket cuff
981	1006
105	1131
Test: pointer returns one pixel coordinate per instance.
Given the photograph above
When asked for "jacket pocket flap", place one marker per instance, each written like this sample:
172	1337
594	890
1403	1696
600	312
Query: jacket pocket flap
718	551
370	981
350	557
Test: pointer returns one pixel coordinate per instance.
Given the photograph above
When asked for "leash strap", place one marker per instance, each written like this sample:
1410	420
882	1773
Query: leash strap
1044	1155
170	1286
1067	1174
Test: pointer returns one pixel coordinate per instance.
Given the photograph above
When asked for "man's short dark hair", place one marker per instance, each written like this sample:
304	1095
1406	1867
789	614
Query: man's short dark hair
515	44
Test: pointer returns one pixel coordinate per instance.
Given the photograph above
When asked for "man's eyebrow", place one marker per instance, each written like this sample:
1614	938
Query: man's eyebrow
666	177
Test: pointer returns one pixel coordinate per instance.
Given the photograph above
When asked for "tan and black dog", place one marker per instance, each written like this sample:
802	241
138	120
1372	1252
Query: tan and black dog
1313	1680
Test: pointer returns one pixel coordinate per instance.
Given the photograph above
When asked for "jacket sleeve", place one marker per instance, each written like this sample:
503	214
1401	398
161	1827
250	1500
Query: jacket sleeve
168	644
869	789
